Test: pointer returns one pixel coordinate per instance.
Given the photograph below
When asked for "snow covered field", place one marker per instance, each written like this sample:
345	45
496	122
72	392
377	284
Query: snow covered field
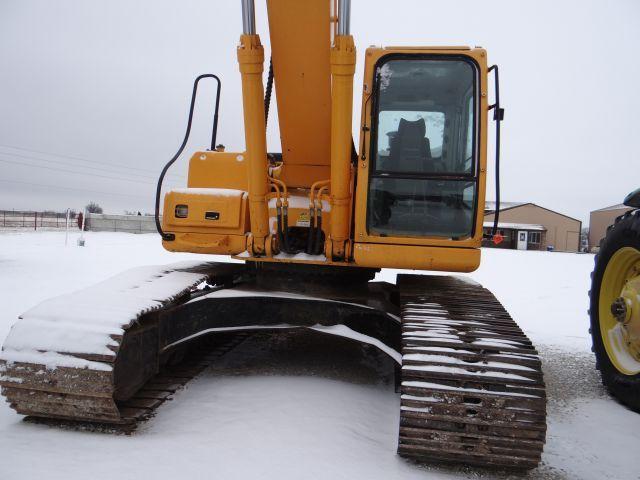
285	411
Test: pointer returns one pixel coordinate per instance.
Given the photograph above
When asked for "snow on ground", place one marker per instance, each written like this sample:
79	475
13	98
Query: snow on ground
546	292
286	413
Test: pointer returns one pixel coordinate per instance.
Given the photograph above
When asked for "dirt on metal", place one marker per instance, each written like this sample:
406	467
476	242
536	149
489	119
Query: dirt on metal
472	388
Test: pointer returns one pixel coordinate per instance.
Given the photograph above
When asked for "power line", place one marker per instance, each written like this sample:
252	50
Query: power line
75	165
76	173
57	187
70	157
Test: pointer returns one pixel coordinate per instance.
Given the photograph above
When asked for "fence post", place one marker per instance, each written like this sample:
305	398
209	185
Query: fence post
35	221
66	230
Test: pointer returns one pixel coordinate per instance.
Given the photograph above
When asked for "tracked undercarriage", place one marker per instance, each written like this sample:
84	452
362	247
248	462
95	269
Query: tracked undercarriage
472	386
471	382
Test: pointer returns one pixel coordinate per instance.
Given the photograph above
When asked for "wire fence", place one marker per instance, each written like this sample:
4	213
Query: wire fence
32	220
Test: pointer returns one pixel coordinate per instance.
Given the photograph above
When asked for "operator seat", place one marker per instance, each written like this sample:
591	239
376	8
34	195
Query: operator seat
410	150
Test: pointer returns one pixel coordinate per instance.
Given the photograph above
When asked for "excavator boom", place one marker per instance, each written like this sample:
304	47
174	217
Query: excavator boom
300	34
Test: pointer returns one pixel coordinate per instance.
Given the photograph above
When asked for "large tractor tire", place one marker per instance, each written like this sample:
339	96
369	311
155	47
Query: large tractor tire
615	309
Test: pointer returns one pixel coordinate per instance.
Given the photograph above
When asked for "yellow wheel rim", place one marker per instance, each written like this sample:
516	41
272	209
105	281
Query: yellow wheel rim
619	310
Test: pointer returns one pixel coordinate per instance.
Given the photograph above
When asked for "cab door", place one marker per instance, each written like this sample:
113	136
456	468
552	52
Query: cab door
422	163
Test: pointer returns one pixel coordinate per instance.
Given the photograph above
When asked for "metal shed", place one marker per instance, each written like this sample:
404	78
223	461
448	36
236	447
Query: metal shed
555	229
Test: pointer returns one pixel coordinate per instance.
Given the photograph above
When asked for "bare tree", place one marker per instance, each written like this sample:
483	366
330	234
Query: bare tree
93	207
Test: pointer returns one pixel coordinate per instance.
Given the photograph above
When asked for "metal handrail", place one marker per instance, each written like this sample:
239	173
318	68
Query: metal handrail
214	133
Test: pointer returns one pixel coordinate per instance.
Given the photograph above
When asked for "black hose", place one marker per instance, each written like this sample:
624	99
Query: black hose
267	92
310	238
318	246
496	216
171	236
285	211
279	227
283	238
498	116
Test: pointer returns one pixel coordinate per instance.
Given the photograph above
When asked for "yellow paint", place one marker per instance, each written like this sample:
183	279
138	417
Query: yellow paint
232	213
300	40
211	243
196	233
251	60
343	61
621	340
218	170
312	192
416	257
314	91
276	188
303	175
372	56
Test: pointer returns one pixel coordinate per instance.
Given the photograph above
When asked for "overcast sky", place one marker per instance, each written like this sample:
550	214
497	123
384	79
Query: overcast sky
94	94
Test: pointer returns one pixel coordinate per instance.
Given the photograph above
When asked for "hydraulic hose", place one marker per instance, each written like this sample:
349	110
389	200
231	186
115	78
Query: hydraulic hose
317	249
311	235
498	116
267	91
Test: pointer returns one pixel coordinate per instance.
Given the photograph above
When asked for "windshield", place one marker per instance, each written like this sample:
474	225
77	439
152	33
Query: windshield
423	175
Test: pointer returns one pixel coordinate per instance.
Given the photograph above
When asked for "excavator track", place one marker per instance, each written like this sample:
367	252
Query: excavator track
159	389
81	358
110	354
472	389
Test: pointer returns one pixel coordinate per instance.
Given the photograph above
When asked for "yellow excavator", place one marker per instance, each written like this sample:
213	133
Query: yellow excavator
311	225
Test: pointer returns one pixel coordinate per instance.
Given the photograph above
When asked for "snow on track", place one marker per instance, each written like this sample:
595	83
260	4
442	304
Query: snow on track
85	320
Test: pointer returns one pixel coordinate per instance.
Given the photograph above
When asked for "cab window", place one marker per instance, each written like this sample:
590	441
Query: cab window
423	179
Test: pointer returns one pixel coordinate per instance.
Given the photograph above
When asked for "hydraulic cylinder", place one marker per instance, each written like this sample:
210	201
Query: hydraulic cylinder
251	60
343	61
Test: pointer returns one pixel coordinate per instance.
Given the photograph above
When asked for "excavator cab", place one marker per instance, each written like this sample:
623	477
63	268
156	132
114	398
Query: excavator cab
422	162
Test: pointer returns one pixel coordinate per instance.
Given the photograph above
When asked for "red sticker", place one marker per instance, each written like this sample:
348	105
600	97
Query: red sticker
497	239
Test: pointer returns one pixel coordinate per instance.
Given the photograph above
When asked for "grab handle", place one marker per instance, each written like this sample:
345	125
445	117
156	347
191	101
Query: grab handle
498	116
170	236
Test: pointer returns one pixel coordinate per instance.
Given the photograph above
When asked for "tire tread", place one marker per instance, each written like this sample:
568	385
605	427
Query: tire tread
625	231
